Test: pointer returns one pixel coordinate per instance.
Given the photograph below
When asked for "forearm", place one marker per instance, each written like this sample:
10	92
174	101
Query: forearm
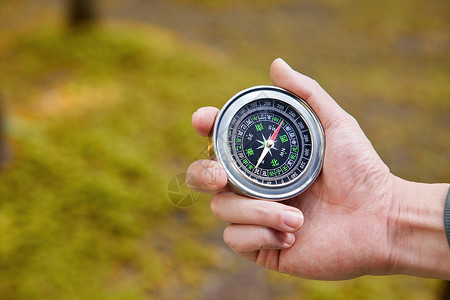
418	240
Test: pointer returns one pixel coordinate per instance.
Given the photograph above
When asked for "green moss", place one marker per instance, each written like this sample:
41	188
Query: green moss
101	122
89	182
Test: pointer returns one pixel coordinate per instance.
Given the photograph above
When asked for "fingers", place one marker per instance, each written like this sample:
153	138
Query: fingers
237	209
256	224
249	238
203	120
206	175
328	111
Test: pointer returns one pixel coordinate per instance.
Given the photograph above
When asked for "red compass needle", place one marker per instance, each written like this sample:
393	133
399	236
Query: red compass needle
269	144
274	135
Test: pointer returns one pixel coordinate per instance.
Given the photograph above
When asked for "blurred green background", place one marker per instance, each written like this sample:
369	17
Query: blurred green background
97	124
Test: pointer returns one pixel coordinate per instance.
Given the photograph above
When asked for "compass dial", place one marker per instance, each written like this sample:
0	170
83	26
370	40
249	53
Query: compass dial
269	142
249	135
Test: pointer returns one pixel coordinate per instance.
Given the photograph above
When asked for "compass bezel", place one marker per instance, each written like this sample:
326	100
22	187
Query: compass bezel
240	182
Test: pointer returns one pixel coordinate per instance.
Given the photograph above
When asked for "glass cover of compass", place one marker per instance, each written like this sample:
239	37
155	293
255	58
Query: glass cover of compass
270	143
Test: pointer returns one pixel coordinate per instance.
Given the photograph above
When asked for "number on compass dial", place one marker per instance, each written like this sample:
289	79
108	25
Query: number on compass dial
269	142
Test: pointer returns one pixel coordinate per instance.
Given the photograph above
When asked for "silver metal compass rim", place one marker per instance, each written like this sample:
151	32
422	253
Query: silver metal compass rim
239	182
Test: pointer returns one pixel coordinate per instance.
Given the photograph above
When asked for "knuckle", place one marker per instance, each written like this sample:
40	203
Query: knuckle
347	121
228	236
215	205
261	213
352	120
265	236
268	214
315	89
315	83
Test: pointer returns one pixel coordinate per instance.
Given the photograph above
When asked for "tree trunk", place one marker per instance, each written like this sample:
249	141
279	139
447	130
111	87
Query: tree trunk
82	13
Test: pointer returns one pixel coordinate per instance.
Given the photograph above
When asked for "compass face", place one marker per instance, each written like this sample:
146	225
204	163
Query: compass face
269	142
249	134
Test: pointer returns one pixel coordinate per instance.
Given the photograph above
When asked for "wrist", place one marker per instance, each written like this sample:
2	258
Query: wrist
416	230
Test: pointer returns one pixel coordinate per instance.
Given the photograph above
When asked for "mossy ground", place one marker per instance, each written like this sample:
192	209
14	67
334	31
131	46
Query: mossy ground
99	121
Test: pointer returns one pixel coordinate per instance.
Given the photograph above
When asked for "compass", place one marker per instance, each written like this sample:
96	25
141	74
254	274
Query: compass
269	142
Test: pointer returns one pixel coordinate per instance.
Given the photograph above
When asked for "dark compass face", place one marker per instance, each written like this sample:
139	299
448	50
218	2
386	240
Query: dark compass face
269	142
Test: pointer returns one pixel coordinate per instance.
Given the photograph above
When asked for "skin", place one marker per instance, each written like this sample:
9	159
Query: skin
356	219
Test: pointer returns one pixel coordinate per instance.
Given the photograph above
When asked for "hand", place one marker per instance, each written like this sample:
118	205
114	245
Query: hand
345	225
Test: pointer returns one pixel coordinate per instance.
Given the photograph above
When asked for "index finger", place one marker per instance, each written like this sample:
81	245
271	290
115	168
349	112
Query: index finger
203	120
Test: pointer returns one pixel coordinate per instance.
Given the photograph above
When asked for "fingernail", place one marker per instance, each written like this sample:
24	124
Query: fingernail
209	176
288	239
293	219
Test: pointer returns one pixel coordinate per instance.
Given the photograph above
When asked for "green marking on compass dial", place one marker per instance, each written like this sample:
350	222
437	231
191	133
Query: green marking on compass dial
250	131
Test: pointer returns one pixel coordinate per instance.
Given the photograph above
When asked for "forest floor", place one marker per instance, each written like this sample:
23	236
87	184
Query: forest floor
99	121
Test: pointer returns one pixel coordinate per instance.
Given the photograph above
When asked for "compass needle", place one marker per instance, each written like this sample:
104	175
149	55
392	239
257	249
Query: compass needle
274	135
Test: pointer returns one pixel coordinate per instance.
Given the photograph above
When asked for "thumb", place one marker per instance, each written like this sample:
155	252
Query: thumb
328	111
